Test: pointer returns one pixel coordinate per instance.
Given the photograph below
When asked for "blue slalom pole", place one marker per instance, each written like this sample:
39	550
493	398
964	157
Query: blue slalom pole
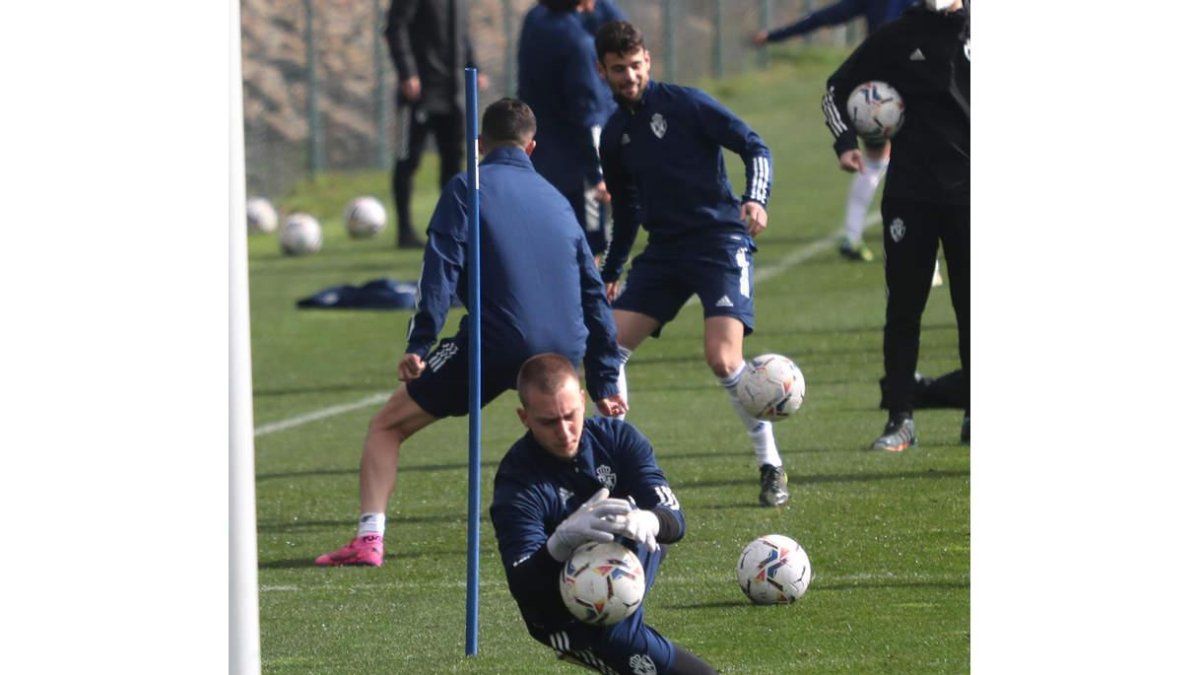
471	77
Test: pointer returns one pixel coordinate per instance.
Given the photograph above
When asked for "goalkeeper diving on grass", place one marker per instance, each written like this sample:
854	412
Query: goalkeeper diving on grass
569	481
540	292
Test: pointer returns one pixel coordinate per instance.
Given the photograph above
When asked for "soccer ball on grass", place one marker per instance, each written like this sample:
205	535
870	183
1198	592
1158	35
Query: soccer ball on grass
365	217
260	216
771	388
876	110
301	235
602	583
773	569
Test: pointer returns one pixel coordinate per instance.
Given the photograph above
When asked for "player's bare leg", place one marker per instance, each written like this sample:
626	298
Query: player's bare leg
632	330
723	337
395	422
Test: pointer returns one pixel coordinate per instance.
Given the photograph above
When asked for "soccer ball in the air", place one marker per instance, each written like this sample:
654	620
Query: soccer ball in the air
773	570
602	583
365	217
301	235
876	109
260	216
771	388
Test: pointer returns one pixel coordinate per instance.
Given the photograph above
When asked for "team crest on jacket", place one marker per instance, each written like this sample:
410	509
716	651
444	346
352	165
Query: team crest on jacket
967	50
604	474
658	125
642	664
897	230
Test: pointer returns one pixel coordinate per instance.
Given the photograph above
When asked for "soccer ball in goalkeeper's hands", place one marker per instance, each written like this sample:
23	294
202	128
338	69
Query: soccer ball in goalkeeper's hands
771	388
602	583
876	110
773	569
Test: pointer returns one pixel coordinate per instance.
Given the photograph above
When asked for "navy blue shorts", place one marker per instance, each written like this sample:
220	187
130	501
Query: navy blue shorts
660	282
631	646
443	388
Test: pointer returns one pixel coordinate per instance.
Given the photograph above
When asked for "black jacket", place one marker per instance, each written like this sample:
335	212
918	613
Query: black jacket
429	39
926	56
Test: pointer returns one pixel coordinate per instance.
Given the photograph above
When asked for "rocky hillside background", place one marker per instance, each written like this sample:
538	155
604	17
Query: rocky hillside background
355	82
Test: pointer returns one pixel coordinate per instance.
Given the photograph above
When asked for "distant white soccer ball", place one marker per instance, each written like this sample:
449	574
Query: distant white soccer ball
365	217
876	110
771	388
260	216
602	583
301	235
773	569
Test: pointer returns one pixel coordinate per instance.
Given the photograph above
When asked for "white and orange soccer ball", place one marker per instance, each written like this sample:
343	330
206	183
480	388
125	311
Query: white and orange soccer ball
773	569
602	583
772	387
876	110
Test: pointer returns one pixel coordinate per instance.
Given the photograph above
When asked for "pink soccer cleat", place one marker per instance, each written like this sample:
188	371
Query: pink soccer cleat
364	550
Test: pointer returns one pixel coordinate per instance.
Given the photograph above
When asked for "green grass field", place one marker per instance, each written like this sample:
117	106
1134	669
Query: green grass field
888	536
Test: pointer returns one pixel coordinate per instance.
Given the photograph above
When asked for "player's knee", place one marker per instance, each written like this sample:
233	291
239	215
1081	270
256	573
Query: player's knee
391	417
723	365
381	422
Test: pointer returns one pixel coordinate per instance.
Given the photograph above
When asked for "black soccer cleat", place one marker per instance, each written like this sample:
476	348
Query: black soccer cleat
855	251
774	485
965	435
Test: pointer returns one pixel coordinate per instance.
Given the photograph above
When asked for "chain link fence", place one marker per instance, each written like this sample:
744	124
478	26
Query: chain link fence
319	87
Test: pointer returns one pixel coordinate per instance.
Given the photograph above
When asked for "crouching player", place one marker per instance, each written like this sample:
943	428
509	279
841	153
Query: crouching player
541	512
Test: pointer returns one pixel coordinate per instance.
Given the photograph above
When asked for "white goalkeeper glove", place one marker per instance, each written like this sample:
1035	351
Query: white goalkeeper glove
640	526
594	521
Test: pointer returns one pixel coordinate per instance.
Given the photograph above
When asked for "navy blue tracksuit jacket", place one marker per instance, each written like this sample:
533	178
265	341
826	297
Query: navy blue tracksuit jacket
535	491
539	286
556	65
877	13
664	168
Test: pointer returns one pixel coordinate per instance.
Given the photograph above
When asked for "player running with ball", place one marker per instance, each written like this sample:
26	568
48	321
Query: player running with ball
661	156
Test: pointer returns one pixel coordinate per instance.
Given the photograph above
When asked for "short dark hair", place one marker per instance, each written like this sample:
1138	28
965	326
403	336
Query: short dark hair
561	5
508	121
618	37
545	373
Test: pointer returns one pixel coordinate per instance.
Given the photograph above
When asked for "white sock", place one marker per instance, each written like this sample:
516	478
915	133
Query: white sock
622	385
862	193
762	434
371	523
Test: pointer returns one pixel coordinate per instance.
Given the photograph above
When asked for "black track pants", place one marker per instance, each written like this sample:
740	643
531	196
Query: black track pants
911	233
414	126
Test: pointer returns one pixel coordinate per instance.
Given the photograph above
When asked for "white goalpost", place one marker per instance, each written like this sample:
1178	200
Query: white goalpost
244	649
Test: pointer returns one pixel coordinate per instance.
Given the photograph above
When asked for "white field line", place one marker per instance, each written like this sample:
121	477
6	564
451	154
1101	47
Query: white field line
374	399
761	275
866	579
